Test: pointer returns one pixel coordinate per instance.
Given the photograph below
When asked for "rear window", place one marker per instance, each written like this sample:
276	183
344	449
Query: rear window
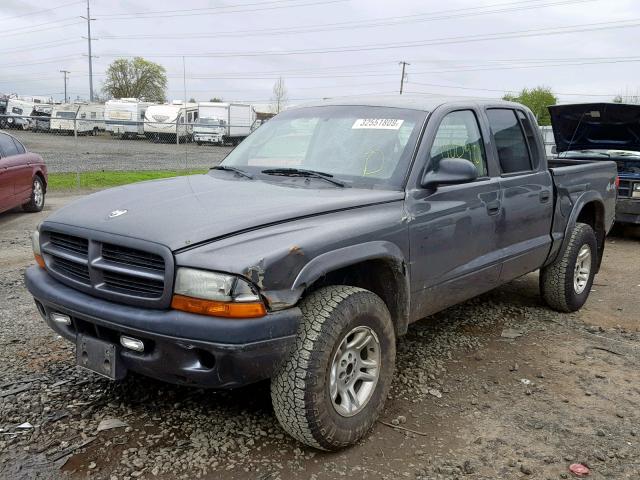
513	151
7	146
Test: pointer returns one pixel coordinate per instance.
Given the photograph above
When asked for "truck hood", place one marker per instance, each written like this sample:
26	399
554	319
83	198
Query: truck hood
596	126
182	211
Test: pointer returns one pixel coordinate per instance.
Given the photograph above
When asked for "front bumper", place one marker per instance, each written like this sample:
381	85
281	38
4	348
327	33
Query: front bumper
628	210
180	347
207	137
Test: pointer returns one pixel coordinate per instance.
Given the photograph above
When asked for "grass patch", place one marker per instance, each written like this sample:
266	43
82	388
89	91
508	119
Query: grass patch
69	181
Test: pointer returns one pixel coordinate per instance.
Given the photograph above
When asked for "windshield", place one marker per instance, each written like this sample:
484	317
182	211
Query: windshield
212	122
363	146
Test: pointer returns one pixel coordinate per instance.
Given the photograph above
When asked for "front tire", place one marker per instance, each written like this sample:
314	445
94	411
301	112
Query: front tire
565	284
36	202
331	389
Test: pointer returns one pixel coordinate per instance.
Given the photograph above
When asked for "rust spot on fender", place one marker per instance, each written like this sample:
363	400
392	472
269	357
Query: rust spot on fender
296	250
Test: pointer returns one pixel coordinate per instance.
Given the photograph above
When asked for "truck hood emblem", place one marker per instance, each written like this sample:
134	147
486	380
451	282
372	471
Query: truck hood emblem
117	213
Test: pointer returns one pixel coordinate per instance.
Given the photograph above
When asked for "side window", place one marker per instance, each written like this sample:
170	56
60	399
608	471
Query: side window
83	115
532	140
190	117
510	141
93	114
16	110
19	147
7	147
458	136
195	116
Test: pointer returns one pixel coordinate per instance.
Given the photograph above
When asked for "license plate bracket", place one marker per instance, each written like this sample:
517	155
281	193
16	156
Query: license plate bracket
100	357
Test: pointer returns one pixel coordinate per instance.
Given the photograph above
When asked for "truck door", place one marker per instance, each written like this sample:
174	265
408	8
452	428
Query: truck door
452	229
524	225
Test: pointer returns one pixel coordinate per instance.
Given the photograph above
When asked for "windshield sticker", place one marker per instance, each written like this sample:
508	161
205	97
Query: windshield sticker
378	123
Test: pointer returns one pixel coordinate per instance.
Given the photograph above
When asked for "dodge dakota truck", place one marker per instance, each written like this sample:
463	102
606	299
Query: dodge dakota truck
308	251
604	131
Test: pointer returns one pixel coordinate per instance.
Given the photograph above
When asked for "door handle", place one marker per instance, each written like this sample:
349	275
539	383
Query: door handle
493	208
545	195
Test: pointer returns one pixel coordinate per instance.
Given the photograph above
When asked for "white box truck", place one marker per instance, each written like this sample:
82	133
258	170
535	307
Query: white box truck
125	117
221	123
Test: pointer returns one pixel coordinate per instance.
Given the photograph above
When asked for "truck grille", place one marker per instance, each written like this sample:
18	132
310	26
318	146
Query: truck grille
140	273
624	189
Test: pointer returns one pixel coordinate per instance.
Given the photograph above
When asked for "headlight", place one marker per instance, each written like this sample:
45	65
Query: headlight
35	244
215	294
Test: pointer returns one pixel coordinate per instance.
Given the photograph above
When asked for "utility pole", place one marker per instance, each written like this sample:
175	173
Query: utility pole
89	19
65	73
404	64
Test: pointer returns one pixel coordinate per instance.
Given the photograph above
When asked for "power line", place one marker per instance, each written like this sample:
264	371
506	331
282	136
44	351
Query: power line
379	22
38	12
6	33
42	61
185	13
39	46
388	46
460	87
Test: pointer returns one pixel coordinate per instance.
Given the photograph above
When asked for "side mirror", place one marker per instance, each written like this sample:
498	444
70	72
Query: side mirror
450	171
554	150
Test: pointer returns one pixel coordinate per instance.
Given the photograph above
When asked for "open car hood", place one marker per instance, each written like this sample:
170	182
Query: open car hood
596	126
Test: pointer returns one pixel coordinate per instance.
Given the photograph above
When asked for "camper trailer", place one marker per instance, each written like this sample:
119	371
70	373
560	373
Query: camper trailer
125	117
220	123
83	118
41	117
170	122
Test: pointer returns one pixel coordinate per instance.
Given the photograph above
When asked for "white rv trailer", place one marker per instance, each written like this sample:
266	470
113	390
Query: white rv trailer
83	118
125	116
170	121
220	122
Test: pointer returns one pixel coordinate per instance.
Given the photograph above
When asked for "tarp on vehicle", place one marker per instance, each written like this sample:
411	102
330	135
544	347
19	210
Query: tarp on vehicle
596	126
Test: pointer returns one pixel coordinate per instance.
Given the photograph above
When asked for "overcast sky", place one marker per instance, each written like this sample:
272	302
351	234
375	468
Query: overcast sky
236	48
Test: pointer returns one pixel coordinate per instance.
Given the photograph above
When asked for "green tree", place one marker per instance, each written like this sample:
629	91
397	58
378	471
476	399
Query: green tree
138	78
537	99
216	99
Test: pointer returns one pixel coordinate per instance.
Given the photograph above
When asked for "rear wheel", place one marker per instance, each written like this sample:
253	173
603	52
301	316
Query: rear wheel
566	283
332	388
36	202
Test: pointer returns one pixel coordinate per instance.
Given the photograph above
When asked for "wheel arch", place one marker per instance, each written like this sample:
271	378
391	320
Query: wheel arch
42	177
589	209
377	266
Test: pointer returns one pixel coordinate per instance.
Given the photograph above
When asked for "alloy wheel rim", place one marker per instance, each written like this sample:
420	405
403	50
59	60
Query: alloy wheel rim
582	269
37	193
355	370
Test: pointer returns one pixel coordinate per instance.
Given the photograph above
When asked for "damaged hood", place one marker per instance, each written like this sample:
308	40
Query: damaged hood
182	211
596	126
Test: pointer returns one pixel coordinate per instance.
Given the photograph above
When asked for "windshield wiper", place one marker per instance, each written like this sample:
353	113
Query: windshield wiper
227	168
299	172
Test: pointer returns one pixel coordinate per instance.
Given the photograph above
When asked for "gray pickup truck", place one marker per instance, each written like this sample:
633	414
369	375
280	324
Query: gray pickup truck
310	249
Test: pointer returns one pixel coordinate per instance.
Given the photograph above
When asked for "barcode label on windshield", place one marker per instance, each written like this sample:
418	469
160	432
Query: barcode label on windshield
378	123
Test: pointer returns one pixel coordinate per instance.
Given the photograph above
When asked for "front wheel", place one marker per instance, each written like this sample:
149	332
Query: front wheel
331	389
36	202
565	284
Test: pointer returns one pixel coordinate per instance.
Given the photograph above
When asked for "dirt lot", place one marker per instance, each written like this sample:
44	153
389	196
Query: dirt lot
65	153
497	388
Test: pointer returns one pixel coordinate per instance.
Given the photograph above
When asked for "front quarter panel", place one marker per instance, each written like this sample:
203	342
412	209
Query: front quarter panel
282	260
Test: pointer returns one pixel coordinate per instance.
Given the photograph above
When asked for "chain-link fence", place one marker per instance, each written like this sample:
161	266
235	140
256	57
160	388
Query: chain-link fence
84	150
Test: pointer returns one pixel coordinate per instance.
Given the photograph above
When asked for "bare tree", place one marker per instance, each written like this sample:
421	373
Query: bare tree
280	96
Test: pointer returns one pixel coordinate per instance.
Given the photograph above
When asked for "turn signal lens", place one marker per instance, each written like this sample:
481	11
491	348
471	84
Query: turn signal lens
39	260
216	308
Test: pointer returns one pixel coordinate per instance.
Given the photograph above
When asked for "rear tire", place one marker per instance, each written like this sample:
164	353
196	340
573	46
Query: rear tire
565	284
36	202
331	389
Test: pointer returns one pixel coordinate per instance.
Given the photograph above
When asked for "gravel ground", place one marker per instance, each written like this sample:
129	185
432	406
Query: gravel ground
88	153
498	387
